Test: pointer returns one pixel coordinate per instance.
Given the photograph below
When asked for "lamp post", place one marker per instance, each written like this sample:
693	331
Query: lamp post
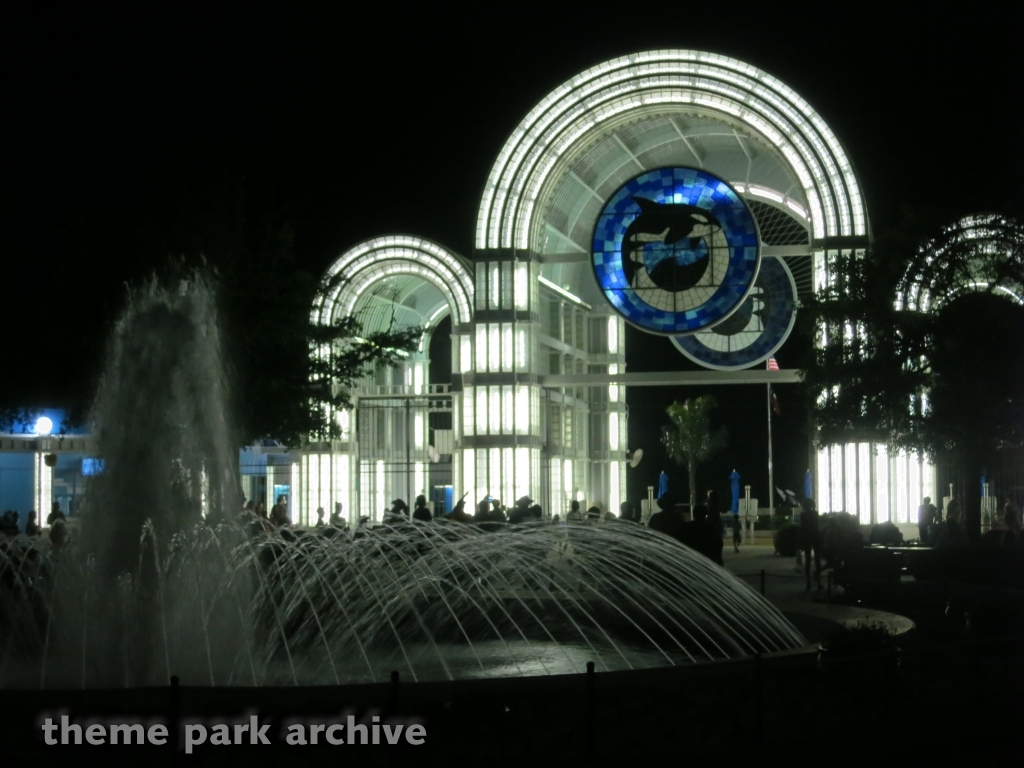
746	513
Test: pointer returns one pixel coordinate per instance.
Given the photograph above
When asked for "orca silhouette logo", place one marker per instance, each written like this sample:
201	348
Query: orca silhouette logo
675	250
671	243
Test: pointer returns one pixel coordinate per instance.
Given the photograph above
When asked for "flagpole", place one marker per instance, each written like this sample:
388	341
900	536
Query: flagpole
771	471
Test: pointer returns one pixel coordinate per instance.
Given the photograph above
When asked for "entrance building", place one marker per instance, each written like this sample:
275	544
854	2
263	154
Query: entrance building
687	193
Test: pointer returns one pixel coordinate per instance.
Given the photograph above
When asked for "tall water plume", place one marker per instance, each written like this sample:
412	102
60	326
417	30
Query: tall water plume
161	414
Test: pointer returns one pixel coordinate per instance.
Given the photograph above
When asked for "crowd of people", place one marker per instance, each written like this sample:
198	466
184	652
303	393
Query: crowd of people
56	522
949	533
704	531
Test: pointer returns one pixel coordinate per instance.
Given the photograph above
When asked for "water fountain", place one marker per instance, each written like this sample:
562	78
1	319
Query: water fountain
163	580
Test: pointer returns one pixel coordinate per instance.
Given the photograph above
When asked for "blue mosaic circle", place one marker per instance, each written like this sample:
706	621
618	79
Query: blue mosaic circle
756	330
675	250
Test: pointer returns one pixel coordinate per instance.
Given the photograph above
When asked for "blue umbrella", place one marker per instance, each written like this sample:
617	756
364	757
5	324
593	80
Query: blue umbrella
808	492
734	479
662	484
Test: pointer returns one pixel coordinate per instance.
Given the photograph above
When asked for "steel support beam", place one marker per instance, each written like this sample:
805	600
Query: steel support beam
673	378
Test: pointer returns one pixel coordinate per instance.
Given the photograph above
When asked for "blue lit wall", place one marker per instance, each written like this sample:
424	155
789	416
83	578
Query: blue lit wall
16	479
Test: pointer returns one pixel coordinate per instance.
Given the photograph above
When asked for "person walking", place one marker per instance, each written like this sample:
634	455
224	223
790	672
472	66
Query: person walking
925	519
810	539
737	532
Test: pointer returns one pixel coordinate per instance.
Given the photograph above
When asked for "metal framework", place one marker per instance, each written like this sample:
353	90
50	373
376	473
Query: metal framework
658	81
538	385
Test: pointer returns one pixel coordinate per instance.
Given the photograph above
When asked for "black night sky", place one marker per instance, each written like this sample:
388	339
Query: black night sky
387	119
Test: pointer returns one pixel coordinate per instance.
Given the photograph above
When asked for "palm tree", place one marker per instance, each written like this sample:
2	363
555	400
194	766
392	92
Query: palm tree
690	438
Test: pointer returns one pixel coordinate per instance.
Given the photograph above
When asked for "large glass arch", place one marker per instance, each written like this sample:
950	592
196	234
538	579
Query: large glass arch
386	258
702	84
976	254
401	425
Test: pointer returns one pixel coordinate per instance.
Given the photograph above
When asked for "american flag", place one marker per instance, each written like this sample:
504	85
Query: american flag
772	365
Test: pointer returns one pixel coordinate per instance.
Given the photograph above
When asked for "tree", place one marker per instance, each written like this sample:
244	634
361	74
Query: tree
691	438
903	329
921	346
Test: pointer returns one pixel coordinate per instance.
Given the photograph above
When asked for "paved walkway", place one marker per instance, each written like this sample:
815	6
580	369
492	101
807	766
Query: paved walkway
785	587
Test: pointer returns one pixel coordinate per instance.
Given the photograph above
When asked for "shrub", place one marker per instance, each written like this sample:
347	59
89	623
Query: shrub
787	539
886	533
860	637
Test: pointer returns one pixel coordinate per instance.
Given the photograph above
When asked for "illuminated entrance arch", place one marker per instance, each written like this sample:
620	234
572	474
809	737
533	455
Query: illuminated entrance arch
539	373
385	451
619	121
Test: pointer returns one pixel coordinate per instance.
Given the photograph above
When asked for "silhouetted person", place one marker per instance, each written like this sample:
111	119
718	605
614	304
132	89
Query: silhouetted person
669	520
336	519
56	513
810	539
422	511
59	533
483	510
534	512
497	513
320	517
737	532
398	514
593	515
714	510
279	512
574	512
715	523
459	514
626	512
925	519
703	535
32	527
952	534
1011	536
520	511
9	523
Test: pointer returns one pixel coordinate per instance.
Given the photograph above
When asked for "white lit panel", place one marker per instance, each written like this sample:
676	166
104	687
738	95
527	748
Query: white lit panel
495	279
481	347
418	430
614	487
494	472
494	410
882	493
481	410
902	488
522	410
419	479
469	478
522	287
823	480
507	410
522	474
556	493
864	482
507	350
493	347
380	492
850	478
913	486
836	477
465	353
928	479
468	411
